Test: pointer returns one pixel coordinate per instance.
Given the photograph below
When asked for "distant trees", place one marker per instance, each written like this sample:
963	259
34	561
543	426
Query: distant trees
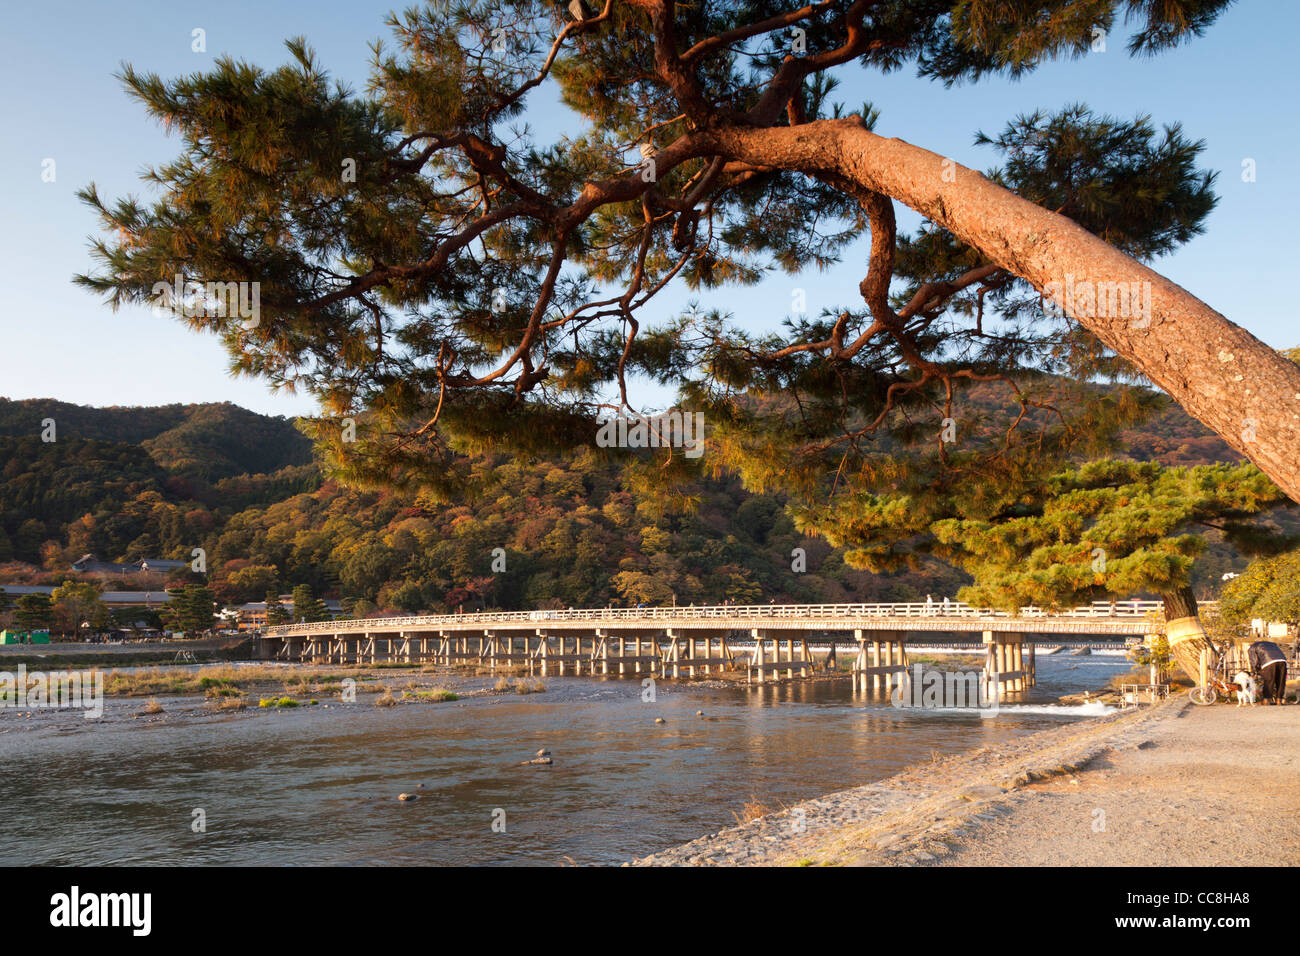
474	592
275	612
640	587
251	582
75	603
578	530
410	597
306	608
192	609
1269	589
33	612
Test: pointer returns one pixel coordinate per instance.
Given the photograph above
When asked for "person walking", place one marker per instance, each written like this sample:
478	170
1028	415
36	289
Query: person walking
1267	660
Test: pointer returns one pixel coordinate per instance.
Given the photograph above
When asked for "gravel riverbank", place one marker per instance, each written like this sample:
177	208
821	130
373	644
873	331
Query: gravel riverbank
1173	784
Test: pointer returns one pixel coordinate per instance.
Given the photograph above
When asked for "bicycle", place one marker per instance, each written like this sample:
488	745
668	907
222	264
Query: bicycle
1216	684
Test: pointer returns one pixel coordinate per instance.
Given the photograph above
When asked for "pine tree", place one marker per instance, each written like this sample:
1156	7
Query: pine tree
1102	529
192	609
275	612
307	609
404	239
33	612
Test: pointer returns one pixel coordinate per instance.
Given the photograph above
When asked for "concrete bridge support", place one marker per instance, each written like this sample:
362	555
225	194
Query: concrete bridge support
1005	665
562	653
769	665
693	650
629	653
882	659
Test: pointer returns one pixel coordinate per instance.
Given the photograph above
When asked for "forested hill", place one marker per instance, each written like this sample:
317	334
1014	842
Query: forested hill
208	442
126	483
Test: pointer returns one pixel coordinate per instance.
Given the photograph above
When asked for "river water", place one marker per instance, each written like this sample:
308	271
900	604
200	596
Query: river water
319	785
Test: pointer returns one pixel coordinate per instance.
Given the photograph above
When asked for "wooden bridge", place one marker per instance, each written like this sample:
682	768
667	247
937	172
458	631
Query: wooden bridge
770	641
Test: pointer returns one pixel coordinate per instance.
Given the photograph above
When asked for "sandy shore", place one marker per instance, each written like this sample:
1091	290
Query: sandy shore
1173	784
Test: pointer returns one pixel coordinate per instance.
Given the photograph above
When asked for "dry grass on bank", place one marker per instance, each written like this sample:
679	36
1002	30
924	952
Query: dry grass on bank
752	809
225	681
523	685
435	694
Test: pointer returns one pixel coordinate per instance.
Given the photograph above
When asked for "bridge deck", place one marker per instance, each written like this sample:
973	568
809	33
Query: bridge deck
1132	618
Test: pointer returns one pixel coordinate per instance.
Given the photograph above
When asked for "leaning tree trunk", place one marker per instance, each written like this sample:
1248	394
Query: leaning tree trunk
1220	373
1187	638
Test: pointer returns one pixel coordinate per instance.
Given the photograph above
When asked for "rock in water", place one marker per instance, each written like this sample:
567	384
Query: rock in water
539	761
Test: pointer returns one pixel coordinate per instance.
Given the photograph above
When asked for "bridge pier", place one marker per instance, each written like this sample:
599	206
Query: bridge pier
891	645
540	655
692	650
759	662
1004	663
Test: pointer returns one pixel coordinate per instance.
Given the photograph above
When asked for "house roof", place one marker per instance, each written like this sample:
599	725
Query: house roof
330	604
108	597
135	597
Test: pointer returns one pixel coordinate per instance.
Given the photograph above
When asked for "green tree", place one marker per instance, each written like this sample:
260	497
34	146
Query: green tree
1268	589
77	603
191	609
640	587
306	608
409	597
447	285
245	584
275	612
33	612
1100	529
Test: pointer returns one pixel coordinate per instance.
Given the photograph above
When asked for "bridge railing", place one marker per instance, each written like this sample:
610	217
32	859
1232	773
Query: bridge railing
736	612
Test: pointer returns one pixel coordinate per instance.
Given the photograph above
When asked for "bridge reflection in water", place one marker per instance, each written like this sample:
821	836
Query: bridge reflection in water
771	642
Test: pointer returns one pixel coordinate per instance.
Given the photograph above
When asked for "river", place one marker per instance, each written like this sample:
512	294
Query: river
319	785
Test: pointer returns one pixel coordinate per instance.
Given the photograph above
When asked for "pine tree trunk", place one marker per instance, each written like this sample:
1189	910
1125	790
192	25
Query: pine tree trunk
1187	639
1216	370
1179	604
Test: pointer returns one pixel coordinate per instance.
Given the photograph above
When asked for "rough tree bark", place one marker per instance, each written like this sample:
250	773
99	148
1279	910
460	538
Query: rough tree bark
1220	373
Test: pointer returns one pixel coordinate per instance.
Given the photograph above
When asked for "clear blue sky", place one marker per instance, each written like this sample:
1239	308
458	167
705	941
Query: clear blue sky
1235	88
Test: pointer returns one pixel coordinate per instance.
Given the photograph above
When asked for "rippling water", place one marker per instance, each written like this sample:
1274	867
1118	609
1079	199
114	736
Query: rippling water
319	786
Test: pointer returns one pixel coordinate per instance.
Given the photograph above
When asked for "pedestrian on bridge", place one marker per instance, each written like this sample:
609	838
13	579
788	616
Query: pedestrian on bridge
1267	659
